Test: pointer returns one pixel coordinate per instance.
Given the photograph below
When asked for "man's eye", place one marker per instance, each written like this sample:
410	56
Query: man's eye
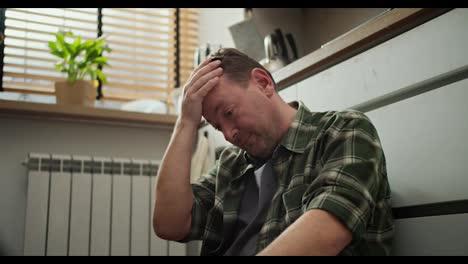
228	113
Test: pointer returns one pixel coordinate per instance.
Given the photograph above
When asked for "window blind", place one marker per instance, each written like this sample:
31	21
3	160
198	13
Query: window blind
143	42
143	52
28	66
188	30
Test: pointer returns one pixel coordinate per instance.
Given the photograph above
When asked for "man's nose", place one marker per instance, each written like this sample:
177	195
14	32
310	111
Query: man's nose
230	134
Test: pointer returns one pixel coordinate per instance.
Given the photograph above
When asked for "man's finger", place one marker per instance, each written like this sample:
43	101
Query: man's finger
192	85
206	78
205	62
206	88
197	69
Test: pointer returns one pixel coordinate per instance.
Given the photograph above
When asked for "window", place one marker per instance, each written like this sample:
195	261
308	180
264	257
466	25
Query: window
152	48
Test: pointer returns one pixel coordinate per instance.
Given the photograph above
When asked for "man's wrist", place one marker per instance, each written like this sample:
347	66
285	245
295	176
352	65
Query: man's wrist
186	124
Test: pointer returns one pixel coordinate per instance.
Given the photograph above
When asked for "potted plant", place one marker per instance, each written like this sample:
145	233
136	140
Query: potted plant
81	61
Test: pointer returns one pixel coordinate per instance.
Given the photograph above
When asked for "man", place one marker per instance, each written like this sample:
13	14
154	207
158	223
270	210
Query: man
294	183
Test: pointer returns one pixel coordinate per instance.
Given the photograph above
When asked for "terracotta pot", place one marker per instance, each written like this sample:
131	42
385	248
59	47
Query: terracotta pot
80	93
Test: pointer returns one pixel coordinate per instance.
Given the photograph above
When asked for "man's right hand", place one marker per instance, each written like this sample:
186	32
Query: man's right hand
199	84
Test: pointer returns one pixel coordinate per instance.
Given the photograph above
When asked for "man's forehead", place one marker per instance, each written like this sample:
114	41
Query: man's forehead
209	103
212	106
217	93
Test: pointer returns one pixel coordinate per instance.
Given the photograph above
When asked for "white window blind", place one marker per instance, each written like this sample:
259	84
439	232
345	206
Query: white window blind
143	43
143	52
28	66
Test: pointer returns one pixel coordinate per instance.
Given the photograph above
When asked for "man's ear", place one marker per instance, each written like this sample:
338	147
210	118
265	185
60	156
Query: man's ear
263	81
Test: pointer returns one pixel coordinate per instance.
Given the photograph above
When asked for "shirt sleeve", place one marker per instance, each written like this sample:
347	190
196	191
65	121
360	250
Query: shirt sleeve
349	183
203	200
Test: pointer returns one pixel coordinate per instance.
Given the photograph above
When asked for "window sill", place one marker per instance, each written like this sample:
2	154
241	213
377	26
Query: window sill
85	114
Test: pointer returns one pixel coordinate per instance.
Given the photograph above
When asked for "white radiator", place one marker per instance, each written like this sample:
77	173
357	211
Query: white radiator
83	205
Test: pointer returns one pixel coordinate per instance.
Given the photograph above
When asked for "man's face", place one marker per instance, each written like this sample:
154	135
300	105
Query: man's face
243	115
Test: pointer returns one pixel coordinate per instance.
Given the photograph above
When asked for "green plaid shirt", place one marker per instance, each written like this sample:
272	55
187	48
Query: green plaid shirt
329	160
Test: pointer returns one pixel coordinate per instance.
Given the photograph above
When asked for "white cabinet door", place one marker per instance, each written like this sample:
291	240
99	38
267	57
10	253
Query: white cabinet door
424	139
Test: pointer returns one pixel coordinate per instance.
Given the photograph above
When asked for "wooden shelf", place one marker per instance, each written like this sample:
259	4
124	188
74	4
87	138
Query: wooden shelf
85	114
364	37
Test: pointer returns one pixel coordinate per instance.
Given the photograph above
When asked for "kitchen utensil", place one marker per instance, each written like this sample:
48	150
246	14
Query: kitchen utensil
292	45
272	60
247	39
283	51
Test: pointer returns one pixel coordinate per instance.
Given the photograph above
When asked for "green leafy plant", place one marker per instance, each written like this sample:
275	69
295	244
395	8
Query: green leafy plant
78	58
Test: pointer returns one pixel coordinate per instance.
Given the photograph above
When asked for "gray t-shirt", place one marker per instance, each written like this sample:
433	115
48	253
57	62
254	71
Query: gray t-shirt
256	200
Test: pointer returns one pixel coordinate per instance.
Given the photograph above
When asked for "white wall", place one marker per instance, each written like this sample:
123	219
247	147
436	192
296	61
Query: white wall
214	24
18	136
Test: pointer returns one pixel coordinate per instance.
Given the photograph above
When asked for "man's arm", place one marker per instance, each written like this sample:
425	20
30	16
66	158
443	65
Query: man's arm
316	232
173	206
172	212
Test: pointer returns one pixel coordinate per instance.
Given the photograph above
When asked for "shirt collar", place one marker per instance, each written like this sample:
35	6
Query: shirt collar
296	138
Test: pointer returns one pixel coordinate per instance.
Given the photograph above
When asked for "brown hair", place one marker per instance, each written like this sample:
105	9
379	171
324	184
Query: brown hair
237	66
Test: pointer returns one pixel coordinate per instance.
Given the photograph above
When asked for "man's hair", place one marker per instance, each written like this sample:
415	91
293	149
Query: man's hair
237	66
